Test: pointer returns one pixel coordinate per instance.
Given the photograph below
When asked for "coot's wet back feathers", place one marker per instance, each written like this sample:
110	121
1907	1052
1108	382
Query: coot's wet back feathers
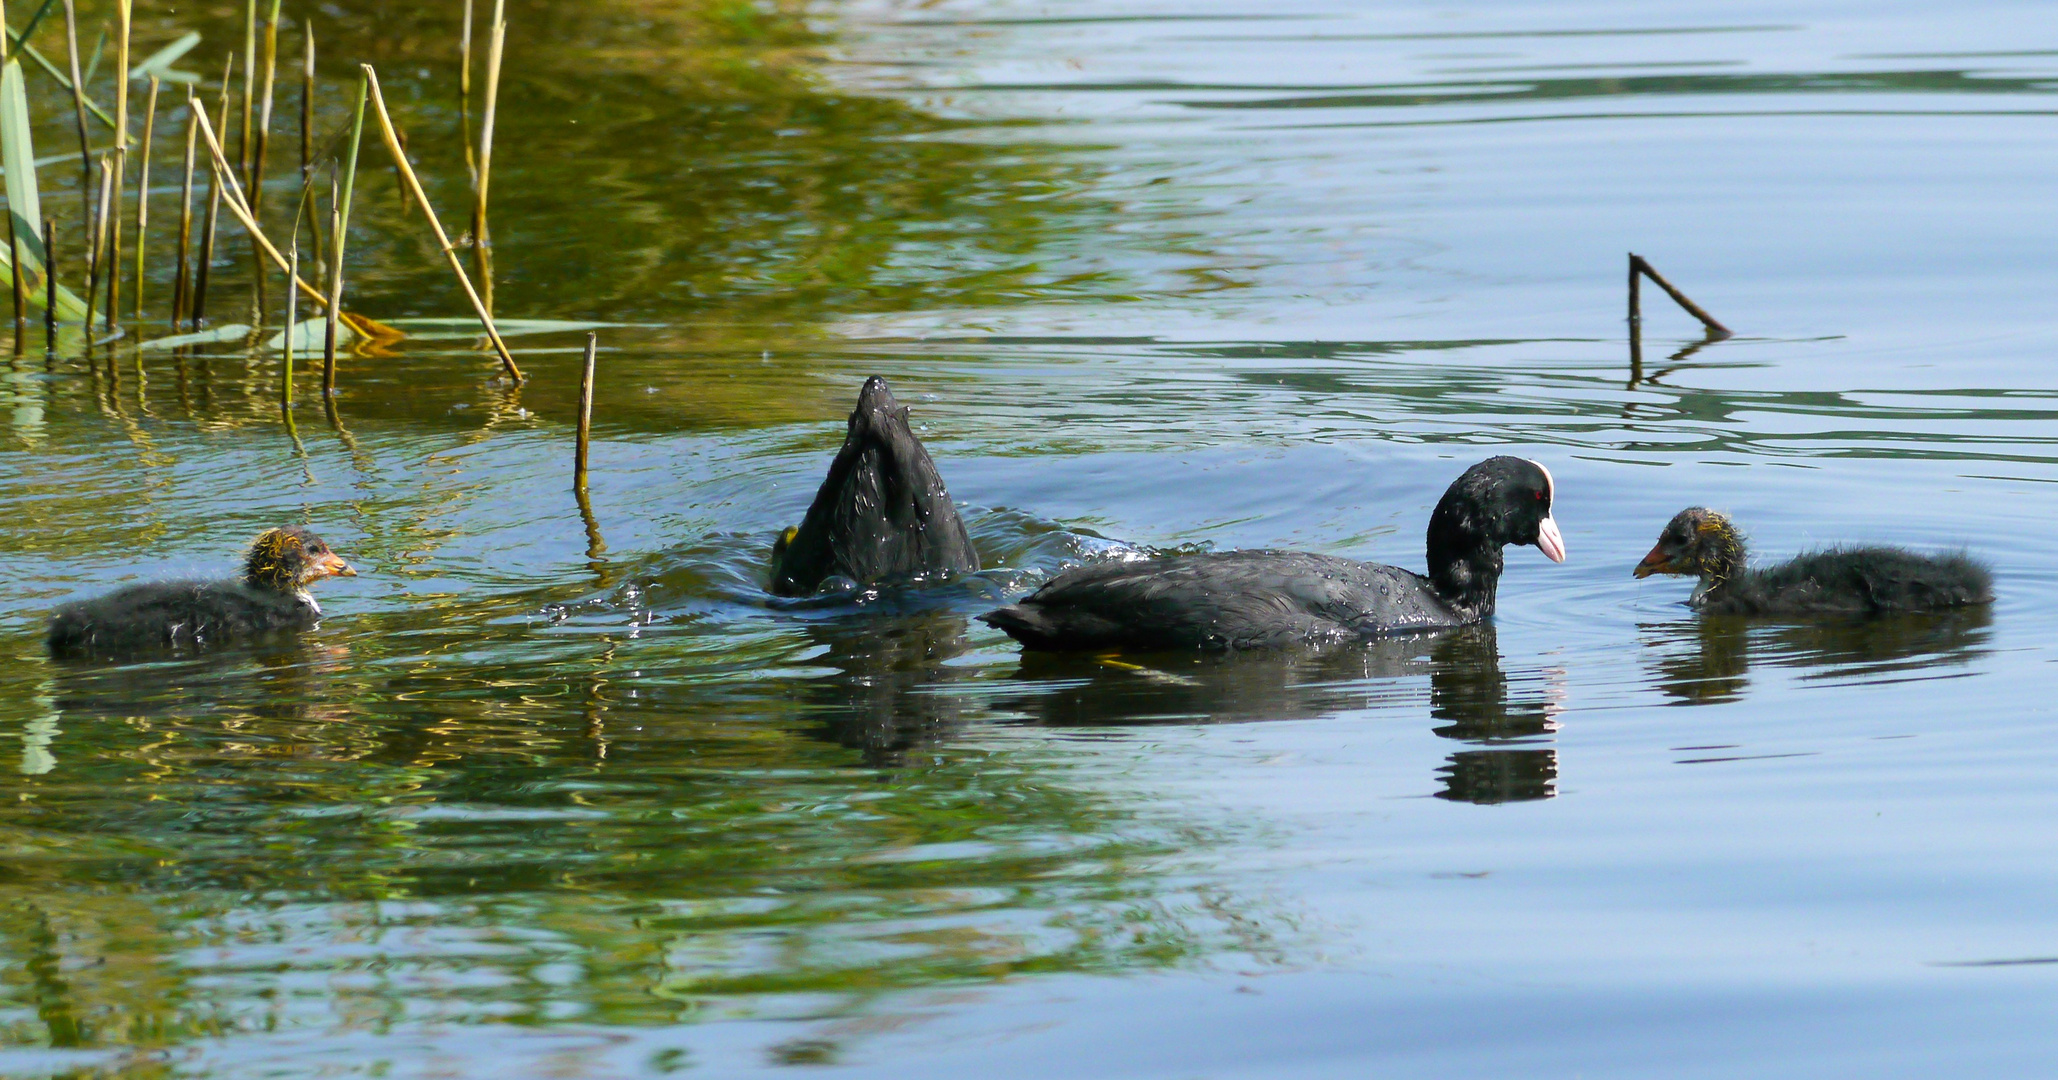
271	596
1264	598
1701	543
881	514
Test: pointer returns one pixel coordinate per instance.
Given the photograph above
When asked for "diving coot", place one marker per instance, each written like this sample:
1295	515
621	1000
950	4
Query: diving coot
1699	542
271	595
881	513
1255	599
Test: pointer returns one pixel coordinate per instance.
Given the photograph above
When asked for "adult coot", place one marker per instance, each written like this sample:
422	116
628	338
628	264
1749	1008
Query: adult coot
1255	599
1698	542
270	596
882	513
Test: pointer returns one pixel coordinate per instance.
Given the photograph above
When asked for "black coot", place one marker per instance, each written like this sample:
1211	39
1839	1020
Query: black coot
1257	599
881	514
270	596
1701	543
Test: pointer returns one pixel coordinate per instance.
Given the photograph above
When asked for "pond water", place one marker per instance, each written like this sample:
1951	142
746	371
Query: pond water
555	796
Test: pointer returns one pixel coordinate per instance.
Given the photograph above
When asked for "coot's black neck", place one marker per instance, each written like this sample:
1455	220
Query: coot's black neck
1466	571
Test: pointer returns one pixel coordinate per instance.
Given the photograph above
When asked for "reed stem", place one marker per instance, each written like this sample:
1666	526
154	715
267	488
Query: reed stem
1638	265
334	314
49	285
143	193
585	415
123	20
264	116
232	195
339	233
214	204
464	92
314	217
78	100
481	239
182	288
95	261
442	238
110	211
249	87
292	313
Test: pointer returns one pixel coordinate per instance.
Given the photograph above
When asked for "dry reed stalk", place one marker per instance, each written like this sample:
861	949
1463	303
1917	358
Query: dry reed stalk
481	239
1638	265
335	295
585	415
484	176
232	195
442	238
143	193
214	205
182	289
339	232
94	261
249	85
110	212
123	10
49	284
78	101
292	312
314	226
264	116
464	91
400	181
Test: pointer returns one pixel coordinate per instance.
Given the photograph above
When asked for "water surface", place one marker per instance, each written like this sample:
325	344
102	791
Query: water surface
553	796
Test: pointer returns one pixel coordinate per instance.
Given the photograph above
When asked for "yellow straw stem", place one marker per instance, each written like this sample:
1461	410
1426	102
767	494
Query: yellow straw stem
414	184
232	197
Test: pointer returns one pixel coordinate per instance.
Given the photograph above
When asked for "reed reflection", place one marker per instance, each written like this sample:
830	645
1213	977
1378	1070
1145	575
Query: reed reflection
1707	660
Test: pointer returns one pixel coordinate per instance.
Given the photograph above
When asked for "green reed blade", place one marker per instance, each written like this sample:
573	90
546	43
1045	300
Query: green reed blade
18	154
160	62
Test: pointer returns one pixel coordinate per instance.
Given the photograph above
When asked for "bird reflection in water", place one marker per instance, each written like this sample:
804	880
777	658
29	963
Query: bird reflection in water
1472	695
1707	660
1474	701
286	688
888	695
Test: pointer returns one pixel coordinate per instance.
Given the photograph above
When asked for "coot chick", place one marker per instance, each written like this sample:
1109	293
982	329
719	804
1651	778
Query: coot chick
270	596
882	513
1698	542
1261	598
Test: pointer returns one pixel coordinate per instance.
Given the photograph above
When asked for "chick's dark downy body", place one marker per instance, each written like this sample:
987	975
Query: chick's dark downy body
271	596
1840	581
1265	598
882	513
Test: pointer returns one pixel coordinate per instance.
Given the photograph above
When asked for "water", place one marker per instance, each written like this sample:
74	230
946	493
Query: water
549	798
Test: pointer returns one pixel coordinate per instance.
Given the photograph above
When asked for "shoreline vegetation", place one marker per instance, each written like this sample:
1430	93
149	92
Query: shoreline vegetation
770	205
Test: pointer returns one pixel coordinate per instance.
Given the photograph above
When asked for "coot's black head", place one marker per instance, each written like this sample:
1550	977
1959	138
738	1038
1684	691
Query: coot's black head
1500	501
290	559
1697	542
